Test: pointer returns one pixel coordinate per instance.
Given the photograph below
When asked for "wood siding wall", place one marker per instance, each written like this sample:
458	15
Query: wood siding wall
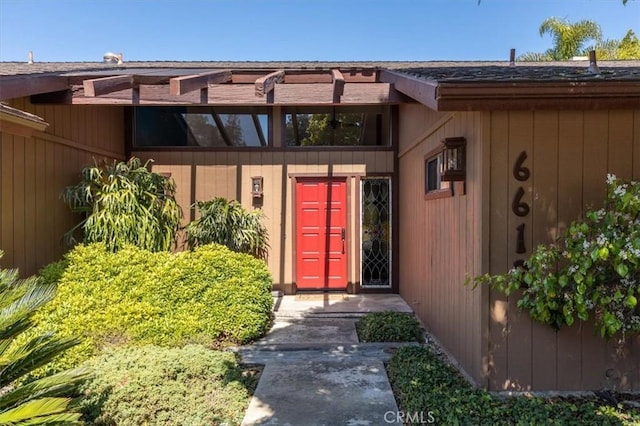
440	239
201	175
34	170
569	154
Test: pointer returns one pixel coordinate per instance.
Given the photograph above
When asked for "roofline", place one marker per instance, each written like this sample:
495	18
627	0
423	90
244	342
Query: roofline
443	95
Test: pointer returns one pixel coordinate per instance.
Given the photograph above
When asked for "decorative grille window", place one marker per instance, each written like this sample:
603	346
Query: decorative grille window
376	232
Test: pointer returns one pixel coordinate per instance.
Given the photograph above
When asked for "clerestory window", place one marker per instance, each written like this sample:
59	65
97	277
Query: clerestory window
337	126
200	126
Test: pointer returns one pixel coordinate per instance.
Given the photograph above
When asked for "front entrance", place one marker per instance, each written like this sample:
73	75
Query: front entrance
321	233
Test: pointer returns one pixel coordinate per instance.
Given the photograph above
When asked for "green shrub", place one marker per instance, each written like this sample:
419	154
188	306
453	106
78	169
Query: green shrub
389	326
228	223
166	386
125	203
211	296
46	400
424	383
594	271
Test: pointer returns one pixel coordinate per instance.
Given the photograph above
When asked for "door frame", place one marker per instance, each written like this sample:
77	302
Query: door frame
342	177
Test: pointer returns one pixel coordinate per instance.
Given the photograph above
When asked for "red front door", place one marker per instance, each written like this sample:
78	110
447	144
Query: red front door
321	229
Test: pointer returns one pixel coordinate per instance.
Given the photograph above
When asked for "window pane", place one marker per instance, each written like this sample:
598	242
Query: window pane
337	126
200	126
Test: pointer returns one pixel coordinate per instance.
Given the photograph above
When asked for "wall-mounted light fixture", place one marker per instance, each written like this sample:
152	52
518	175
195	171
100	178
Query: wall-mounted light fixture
454	164
256	186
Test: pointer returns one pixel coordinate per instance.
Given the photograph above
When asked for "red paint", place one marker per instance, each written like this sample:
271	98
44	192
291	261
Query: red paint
321	222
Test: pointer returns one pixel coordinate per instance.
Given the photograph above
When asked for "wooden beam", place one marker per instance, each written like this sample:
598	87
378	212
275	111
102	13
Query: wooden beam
102	86
338	85
189	83
421	90
266	84
13	87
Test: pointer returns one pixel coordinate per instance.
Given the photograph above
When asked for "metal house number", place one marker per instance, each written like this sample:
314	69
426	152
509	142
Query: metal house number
519	207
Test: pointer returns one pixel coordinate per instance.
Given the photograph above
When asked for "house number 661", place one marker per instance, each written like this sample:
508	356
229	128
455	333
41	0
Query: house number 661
519	207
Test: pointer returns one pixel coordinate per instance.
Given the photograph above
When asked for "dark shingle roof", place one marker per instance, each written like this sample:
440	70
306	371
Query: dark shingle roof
543	72
441	71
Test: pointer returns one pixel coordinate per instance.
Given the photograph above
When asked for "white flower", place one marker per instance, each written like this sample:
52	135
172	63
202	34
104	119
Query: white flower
611	178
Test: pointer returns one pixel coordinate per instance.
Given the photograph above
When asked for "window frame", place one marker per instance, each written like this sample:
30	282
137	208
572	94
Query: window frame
252	111
443	189
385	132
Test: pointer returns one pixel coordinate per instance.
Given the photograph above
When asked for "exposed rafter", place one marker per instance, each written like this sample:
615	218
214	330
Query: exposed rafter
181	85
104	85
421	90
338	85
266	84
18	86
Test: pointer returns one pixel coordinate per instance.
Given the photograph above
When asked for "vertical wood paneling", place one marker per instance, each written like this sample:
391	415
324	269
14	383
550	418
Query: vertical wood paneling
594	171
7	199
30	212
570	157
519	346
499	243
620	143
636	145
34	172
437	237
544	214
19	248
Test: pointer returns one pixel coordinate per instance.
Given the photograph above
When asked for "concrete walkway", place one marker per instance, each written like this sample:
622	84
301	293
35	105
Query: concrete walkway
315	370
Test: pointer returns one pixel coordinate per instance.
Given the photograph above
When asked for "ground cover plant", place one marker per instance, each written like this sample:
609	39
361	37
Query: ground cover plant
48	399
428	387
389	326
211	296
124	203
151	385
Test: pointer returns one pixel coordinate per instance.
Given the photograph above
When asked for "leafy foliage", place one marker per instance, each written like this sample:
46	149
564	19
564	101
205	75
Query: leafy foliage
166	386
46	400
569	40
626	48
125	203
211	296
228	223
389	326
594	270
424	383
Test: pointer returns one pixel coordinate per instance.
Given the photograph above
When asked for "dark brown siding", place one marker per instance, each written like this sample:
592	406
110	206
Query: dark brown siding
34	171
569	154
440	239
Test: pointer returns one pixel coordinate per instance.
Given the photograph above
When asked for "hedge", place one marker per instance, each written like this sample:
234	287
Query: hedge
166	386
211	296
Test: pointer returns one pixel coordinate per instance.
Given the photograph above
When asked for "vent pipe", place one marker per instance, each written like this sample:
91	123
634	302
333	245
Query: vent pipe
512	58
593	65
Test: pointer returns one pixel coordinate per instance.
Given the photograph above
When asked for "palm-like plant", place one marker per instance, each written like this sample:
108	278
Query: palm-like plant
228	223
569	39
46	400
125	203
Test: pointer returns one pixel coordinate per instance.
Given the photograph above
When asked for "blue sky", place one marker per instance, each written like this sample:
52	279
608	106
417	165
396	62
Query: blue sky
311	30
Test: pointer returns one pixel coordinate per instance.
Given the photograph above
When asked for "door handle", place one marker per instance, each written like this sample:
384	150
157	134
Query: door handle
344	236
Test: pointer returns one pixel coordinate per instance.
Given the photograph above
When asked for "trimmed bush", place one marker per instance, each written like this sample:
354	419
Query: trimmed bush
211	296
166	386
389	326
425	384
